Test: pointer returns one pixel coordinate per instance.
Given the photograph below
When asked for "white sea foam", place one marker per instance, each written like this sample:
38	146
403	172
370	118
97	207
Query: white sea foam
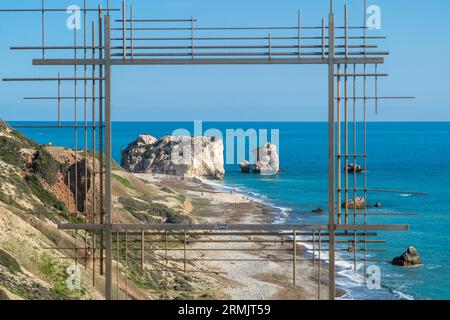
351	282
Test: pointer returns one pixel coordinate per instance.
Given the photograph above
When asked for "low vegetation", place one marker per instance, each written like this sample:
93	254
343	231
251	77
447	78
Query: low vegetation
9	262
57	274
42	194
123	181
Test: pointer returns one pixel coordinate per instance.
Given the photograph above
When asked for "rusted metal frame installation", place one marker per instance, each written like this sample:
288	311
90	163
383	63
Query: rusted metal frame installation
331	58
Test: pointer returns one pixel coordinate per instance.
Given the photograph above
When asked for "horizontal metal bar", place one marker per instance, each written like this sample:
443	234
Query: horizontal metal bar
352	155
156	20
383	191
55	48
240	38
229	28
232	227
376	98
361	75
398	191
238	54
49	79
56	127
225	234
374	227
67	62
201	227
237	47
351	213
53	10
61	98
236	61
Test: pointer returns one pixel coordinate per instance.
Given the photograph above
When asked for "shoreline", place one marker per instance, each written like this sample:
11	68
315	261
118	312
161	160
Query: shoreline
247	280
349	285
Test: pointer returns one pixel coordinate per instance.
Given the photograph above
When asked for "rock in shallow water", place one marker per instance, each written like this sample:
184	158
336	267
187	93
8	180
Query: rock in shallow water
245	166
175	155
409	258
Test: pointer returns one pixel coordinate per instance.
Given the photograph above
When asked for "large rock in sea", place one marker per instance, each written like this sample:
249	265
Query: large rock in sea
357	203
175	155
268	162
409	258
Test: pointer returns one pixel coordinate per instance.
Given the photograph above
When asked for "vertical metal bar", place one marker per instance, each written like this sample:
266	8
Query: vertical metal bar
339	145
299	34
376	89
166	282
346	179
365	137
94	202
192	37
131	31
331	155
59	99
101	102
117	264
126	265
346	30
142	250
185	249
319	268
75	89
94	246
355	182
85	208
314	247
43	28
294	258
93	128
108	155
323	38
270	46
68	190
75	133
124	28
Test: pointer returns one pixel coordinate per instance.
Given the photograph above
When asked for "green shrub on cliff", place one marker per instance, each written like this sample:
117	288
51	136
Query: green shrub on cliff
42	194
57	275
9	262
45	166
9	151
144	211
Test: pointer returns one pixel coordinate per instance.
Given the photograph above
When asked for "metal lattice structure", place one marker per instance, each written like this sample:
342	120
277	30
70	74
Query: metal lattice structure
126	41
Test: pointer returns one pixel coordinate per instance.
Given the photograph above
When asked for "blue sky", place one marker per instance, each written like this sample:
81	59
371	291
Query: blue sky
418	39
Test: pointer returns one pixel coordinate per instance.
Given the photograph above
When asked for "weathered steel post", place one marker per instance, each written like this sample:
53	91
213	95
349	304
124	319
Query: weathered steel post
108	164
331	155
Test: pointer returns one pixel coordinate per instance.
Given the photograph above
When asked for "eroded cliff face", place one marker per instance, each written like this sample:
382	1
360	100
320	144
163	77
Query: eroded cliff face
175	155
38	191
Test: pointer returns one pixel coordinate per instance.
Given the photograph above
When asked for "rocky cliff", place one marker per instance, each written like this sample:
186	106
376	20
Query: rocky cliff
38	191
175	155
268	162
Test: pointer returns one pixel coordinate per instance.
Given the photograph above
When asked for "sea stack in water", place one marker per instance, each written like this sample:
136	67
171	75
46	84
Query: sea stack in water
409	258
357	203
175	155
245	166
268	162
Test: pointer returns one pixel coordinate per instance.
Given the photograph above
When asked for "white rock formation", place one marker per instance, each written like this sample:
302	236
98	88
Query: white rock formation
268	162
175	155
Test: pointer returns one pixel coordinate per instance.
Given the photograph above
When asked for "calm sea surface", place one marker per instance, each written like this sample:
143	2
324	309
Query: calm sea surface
401	156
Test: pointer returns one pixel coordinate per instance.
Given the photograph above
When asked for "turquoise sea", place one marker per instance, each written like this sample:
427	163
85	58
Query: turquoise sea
401	156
